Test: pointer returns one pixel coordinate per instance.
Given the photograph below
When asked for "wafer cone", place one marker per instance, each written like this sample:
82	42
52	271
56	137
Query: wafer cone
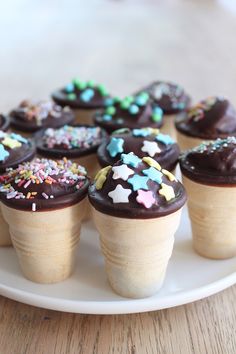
45	241
187	142
5	239
84	116
212	213
136	251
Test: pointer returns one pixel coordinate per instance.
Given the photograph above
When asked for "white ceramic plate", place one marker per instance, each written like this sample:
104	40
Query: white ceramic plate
189	278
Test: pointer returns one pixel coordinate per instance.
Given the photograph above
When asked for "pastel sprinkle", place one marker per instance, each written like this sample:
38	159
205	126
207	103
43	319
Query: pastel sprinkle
11	143
140	132
169	175
101	177
167	192
157	114
102	89
153	174
146	198
138	182
131	159
115	146
151	162
133	109
69	88
120	194
111	110
106	118
165	139
151	148
3	153
71	96
87	95
19	138
33	207
122	171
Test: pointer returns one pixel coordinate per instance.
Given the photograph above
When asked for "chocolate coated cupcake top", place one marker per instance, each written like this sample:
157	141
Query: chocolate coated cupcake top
170	97
14	149
145	142
212	118
69	141
212	163
136	188
82	94
43	185
4	122
31	116
132	112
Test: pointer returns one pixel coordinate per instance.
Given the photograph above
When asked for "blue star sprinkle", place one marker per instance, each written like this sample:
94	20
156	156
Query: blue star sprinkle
131	159
3	153
153	174
138	182
165	139
115	146
19	138
141	132
87	95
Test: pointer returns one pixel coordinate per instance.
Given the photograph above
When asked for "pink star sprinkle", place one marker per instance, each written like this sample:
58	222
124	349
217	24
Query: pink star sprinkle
146	198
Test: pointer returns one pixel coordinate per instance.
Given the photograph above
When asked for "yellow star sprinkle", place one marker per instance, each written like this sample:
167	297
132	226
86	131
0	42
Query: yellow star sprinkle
167	192
101	177
11	143
169	175
151	162
153	131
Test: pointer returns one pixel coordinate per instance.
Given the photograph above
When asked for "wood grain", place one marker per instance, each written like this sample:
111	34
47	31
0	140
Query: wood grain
124	44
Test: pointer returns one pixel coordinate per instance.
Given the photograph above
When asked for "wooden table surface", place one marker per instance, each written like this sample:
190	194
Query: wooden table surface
124	44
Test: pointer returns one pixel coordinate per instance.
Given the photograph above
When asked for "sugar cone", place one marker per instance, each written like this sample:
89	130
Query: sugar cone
187	142
84	116
5	239
212	213
136	251
45	242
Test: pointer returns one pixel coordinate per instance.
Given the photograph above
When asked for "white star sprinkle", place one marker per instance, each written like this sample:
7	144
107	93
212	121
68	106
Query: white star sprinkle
122	171
120	194
151	147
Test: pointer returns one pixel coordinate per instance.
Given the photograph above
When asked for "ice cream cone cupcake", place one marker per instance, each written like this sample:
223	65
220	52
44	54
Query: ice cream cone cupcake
85	98
4	122
208	120
14	149
31	116
132	112
44	203
136	209
172	99
209	176
144	142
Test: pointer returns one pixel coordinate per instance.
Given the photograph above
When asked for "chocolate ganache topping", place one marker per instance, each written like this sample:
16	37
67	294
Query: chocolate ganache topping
143	142
32	116
212	162
82	94
212	118
136	188
69	141
14	149
132	112
170	97
4	122
43	185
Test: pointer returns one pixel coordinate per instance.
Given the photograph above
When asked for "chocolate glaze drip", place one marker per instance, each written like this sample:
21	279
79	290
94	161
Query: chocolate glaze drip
59	151
4	122
124	119
64	194
133	210
61	97
25	152
212	163
210	119
23	121
170	97
167	158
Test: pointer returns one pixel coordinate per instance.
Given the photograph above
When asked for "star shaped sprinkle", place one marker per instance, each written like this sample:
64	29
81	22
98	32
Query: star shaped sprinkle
165	139
18	137
150	147
169	175
151	162
141	132
101	177
167	192
115	146
153	174
131	159
3	153
145	198
120	194
11	143
122	171
138	182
